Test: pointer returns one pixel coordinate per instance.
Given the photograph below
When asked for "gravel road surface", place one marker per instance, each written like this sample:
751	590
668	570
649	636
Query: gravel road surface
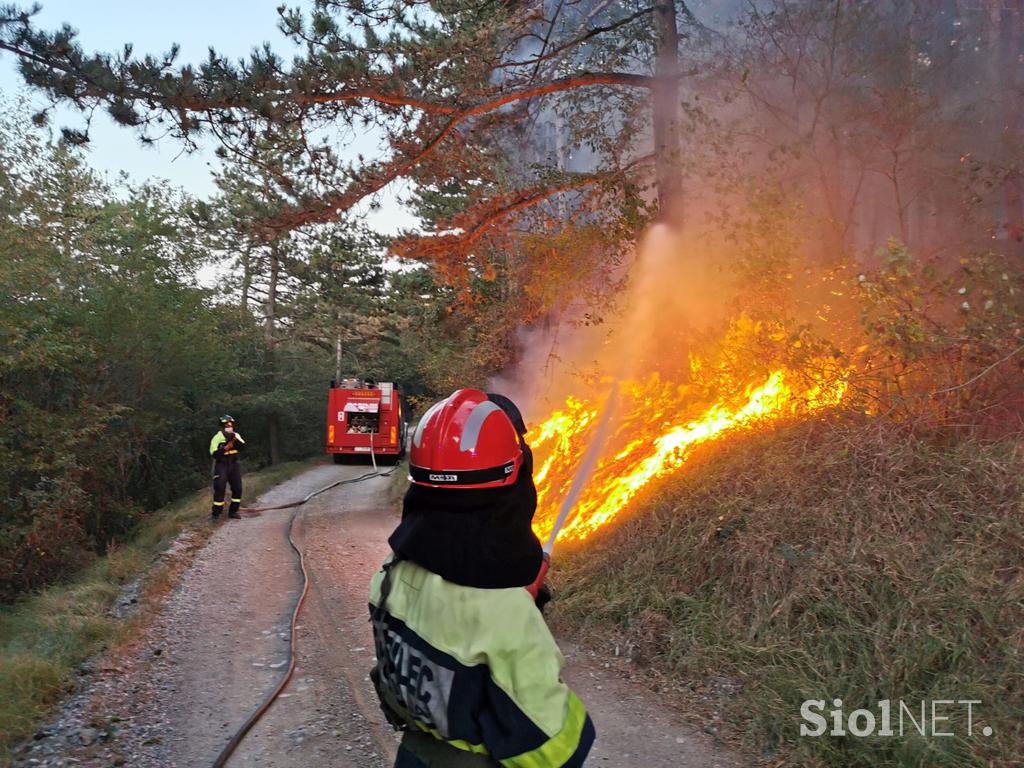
220	643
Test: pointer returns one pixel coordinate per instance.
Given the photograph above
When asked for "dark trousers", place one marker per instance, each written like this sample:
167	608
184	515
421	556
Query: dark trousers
227	473
421	750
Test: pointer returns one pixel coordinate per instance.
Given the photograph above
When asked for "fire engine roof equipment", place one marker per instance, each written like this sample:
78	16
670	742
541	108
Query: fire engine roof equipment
362	407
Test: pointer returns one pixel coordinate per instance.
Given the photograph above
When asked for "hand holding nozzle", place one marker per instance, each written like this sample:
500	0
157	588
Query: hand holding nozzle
538	589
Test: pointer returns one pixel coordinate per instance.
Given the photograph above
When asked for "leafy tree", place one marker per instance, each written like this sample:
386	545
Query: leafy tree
105	343
115	363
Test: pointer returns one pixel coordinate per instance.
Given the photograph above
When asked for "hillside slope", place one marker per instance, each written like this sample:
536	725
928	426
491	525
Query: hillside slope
824	560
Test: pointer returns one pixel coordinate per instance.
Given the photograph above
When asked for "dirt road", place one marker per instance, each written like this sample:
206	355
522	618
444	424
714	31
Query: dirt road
221	643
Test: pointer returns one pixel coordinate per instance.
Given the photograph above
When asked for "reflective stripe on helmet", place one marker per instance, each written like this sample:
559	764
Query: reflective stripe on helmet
471	432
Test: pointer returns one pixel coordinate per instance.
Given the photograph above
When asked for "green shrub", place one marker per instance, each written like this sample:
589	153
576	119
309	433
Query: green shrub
48	634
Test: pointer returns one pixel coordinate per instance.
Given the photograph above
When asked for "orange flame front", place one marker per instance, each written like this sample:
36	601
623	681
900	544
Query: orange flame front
653	432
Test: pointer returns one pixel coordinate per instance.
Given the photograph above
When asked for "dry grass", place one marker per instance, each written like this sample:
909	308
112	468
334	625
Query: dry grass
45	638
825	560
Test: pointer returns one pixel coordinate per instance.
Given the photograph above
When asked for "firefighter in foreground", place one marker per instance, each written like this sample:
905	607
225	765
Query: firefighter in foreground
466	666
225	448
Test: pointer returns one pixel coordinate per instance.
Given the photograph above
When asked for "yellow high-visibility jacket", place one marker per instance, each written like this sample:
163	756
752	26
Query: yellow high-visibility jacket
475	668
219	450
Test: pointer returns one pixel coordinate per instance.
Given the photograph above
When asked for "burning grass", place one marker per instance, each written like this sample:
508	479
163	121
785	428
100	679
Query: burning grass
646	429
823	558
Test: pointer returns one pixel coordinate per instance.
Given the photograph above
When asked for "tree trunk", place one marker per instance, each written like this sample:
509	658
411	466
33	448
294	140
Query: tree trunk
337	360
270	315
1011	33
246	274
665	113
269	328
274	437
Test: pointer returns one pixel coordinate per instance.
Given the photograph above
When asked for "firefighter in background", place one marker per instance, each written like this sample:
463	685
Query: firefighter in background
225	448
466	666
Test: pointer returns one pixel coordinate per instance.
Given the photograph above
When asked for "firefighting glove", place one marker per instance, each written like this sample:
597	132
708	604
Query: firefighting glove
383	697
543	596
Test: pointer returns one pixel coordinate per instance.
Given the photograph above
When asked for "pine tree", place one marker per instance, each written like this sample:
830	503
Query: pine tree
452	87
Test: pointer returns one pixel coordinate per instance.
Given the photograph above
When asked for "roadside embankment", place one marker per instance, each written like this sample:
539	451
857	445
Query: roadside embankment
44	639
823	560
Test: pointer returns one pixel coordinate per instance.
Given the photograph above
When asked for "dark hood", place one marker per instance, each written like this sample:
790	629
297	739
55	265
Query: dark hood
477	538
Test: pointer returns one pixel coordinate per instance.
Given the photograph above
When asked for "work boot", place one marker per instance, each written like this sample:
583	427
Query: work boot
215	512
233	512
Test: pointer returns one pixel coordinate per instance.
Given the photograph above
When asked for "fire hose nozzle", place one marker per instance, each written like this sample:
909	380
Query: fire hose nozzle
534	588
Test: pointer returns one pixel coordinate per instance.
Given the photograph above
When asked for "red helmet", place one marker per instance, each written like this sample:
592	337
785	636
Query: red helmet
465	441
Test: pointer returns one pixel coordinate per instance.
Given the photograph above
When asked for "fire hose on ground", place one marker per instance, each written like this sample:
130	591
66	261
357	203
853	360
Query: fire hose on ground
261	710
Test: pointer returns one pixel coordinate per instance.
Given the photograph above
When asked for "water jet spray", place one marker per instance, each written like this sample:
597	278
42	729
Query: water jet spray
579	481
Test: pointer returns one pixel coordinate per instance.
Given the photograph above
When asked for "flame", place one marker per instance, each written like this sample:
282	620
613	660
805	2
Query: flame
654	433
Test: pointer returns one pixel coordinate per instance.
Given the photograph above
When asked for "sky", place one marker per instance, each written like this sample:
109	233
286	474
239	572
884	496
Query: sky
233	27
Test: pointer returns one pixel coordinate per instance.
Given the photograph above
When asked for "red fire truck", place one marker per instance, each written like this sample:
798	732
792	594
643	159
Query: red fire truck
365	417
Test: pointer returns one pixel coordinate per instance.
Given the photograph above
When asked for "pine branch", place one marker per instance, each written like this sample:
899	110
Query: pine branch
330	207
437	246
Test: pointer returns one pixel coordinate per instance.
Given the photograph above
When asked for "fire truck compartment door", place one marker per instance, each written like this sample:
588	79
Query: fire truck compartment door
361	407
